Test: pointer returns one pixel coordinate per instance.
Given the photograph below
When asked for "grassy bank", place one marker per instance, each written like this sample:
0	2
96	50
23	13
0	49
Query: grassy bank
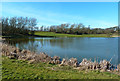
52	34
17	69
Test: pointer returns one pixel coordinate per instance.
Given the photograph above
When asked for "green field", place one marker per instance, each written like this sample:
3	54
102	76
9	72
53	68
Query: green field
53	34
17	69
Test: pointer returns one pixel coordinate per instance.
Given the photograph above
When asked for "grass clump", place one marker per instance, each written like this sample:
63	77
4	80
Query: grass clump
17	69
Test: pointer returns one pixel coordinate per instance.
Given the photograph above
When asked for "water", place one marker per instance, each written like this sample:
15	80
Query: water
90	48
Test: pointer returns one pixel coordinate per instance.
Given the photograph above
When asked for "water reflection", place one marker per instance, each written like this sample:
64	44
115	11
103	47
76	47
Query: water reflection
94	48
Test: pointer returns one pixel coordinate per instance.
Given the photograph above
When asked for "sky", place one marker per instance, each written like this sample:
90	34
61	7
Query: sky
95	14
60	0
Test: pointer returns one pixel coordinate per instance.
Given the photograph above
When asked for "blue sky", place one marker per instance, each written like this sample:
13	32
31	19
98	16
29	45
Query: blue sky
96	14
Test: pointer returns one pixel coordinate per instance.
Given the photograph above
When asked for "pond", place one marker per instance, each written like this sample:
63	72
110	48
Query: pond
87	47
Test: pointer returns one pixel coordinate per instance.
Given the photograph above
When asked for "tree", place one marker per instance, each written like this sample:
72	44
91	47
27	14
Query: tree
17	25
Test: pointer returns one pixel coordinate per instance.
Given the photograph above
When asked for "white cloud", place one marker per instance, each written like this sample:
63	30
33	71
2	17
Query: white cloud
51	18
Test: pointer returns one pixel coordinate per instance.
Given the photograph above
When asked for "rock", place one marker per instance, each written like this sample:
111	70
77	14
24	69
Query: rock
24	51
73	62
13	52
88	64
75	65
64	62
57	62
52	62
22	58
56	58
104	65
84	62
13	56
95	66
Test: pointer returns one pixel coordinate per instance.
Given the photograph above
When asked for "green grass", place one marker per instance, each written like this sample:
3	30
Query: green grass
68	35
17	69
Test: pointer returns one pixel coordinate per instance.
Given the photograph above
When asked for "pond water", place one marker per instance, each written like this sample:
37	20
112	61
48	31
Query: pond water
90	48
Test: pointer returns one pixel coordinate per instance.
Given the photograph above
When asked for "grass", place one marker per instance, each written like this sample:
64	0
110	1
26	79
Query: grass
53	34
17	69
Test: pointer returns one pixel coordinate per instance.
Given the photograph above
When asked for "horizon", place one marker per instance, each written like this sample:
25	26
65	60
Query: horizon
95	14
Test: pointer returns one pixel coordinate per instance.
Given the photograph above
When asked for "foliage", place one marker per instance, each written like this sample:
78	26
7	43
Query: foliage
80	29
27	26
17	25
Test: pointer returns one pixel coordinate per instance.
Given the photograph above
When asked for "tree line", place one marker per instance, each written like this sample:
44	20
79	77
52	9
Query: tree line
27	26
79	29
17	25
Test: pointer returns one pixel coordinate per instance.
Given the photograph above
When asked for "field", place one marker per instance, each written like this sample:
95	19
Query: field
52	34
17	69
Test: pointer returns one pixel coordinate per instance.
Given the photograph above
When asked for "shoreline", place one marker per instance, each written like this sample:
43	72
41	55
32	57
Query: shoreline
53	34
24	64
26	55
19	69
3	38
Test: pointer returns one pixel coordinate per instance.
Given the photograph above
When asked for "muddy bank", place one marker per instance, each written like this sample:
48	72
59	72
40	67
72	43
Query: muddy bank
15	53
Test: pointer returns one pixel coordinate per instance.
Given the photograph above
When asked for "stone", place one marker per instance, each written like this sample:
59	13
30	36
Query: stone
57	62
22	58
73	62
105	65
95	66
52	62
24	51
13	56
56	58
75	65
87	63
63	63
